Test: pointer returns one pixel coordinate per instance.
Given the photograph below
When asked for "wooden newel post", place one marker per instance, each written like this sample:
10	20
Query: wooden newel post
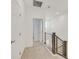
53	43
45	38
65	49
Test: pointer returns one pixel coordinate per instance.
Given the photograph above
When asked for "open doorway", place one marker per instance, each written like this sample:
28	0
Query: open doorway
37	30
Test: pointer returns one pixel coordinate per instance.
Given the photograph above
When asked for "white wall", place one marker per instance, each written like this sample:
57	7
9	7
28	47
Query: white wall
21	24
58	24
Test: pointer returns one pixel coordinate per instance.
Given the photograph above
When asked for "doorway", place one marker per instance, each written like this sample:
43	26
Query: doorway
38	30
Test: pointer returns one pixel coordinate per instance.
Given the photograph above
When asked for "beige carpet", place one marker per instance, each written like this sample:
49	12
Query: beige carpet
37	52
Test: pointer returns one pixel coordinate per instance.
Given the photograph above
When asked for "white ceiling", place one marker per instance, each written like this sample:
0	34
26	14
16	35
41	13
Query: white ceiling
57	7
56	4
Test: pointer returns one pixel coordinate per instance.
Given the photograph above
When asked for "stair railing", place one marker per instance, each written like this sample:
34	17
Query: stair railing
59	46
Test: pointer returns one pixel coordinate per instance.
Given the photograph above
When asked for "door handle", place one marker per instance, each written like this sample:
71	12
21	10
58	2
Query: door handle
12	41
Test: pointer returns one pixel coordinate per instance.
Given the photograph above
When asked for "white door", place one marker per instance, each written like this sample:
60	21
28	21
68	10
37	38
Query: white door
16	30
37	29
